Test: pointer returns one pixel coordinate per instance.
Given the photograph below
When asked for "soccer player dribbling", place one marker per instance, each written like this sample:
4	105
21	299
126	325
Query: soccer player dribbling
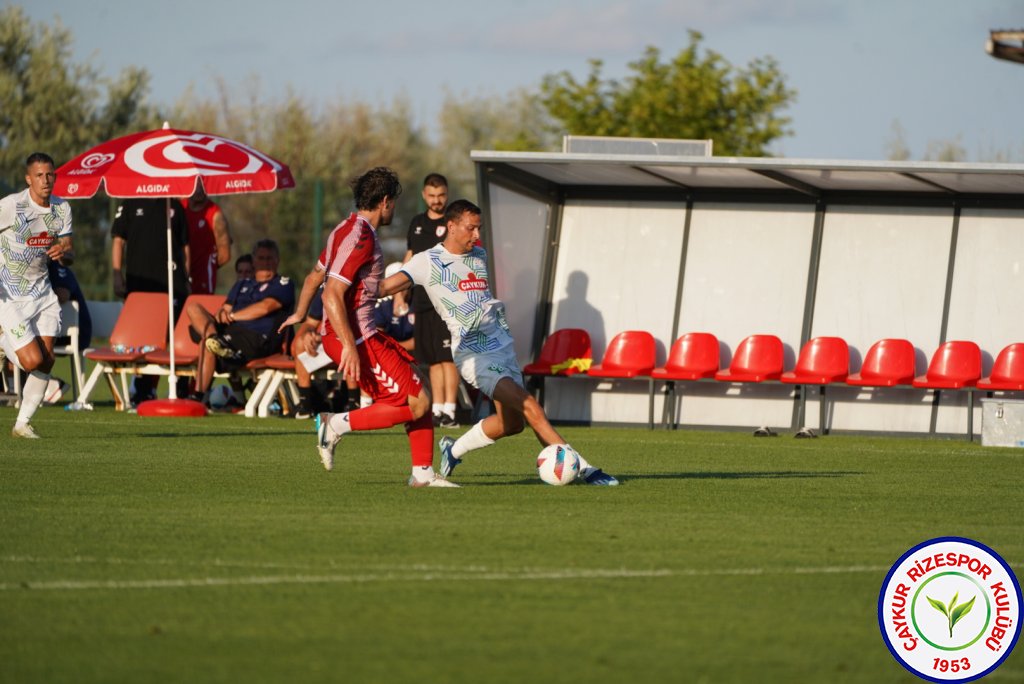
351	267
454	274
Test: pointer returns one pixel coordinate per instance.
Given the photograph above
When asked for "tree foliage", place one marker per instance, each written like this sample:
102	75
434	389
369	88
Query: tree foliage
50	104
693	96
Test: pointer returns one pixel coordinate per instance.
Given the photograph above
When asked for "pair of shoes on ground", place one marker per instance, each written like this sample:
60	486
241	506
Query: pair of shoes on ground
219	347
590	476
327	440
24	431
802	433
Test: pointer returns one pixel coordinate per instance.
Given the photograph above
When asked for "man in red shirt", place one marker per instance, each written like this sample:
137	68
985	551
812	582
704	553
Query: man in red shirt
354	265
209	241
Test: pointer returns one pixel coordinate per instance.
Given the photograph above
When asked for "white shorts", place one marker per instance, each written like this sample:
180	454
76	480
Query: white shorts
24	320
483	371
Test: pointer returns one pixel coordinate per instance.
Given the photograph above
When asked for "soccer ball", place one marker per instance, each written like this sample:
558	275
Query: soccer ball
219	396
558	464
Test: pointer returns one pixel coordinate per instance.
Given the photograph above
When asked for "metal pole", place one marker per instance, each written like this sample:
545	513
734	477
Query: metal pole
171	380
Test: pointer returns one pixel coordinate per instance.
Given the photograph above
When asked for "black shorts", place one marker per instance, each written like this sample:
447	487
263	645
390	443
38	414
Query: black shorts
251	345
433	341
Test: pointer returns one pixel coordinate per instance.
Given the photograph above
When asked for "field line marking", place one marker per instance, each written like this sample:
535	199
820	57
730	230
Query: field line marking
413	575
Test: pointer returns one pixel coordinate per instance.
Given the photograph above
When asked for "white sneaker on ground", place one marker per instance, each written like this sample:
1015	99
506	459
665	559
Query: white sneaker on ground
24	431
326	439
436	481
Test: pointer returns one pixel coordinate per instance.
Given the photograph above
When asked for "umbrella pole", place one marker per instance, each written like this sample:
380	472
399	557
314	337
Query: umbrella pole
172	379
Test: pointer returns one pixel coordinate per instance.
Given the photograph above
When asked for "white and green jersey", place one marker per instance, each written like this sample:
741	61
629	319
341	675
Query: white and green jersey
459	289
26	231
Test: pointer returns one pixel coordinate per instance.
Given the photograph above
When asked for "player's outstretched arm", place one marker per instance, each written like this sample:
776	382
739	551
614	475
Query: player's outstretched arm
309	287
396	283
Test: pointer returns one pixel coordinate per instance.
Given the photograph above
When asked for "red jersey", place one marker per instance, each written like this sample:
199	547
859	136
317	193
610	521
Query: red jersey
353	256
202	244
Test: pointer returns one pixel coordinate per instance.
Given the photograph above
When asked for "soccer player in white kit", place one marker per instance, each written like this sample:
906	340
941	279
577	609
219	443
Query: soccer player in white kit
34	229
454	274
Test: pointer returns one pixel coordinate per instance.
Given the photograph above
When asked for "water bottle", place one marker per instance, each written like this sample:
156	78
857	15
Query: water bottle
78	406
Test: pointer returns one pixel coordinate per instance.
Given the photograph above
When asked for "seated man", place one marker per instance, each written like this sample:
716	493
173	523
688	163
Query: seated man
307	339
245	328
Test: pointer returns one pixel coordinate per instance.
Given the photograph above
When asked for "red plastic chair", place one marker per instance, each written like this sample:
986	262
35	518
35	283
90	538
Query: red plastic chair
955	365
694	356
141	327
186	352
823	360
758	358
888	363
630	354
561	345
1007	372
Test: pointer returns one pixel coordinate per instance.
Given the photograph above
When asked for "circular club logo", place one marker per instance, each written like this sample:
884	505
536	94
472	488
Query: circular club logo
949	610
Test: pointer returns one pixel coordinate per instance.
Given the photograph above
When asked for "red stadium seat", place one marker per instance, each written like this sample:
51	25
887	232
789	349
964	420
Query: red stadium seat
823	360
758	358
559	347
888	363
629	354
565	352
694	356
1007	372
955	365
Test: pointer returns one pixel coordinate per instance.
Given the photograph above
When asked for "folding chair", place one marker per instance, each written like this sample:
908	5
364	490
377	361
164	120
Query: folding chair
565	352
630	354
141	327
694	356
955	365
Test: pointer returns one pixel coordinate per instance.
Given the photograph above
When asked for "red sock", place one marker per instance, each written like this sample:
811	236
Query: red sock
421	441
378	416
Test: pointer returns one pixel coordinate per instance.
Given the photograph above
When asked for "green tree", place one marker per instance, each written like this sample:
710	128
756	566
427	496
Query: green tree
694	96
49	104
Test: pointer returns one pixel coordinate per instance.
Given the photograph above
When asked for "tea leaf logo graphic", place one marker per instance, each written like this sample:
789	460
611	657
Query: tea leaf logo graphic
954	612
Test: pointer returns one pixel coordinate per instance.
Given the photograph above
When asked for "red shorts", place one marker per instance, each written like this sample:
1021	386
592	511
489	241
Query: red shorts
386	371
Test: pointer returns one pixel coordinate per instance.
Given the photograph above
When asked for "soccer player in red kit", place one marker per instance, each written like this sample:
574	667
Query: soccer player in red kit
350	268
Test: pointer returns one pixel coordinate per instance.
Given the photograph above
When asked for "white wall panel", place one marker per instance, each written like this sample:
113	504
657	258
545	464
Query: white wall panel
882	274
617	269
746	273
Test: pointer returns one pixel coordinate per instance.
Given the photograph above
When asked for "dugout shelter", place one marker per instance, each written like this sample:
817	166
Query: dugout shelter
648	238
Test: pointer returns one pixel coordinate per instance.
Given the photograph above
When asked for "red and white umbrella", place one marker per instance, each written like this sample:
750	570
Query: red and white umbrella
170	162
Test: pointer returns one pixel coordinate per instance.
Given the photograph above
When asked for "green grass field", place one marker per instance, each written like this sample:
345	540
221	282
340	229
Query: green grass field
218	550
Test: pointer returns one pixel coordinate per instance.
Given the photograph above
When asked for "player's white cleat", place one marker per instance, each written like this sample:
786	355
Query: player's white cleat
436	481
24	431
596	476
326	439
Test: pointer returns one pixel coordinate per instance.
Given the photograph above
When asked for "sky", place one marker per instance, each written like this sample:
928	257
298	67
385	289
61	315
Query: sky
860	67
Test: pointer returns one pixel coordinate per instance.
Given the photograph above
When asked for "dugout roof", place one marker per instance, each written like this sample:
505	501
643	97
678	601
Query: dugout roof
810	178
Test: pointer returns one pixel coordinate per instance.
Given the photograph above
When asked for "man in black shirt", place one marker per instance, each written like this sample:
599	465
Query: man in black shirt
433	342
138	258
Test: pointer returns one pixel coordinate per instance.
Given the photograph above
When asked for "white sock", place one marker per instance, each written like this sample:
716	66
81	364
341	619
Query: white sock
32	395
449	410
436	409
583	462
423	473
474	439
365	400
339	423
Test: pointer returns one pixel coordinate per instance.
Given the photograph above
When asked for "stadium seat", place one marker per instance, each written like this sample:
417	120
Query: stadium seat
955	365
889	362
758	358
630	354
141	327
565	352
822	361
694	356
1007	372
559	347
